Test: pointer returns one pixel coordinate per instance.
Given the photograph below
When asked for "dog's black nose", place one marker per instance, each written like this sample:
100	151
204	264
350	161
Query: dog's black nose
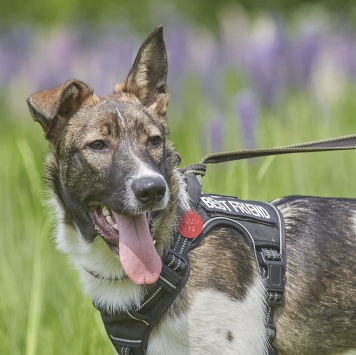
149	189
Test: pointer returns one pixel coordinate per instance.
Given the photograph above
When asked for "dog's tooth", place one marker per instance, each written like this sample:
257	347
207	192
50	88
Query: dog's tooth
109	219
154	241
115	226
106	211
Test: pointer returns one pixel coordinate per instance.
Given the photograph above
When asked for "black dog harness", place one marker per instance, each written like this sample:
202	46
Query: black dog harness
262	226
260	223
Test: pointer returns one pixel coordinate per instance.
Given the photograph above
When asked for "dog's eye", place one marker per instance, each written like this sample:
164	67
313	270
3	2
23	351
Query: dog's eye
97	145
154	141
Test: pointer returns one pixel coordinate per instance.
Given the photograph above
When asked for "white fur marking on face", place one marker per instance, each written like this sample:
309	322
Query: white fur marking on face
143	170
121	117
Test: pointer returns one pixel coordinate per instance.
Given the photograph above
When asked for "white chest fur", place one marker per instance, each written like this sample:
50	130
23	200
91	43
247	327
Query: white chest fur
214	324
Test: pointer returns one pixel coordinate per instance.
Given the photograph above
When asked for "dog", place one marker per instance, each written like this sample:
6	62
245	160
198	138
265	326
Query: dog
111	166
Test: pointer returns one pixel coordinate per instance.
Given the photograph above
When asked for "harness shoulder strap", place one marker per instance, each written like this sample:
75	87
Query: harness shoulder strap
262	225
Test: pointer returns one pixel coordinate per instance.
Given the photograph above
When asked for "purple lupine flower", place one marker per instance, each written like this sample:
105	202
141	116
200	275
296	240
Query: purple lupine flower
108	59
15	45
177	39
261	54
50	62
217	130
265	68
213	134
207	64
303	56
345	53
246	107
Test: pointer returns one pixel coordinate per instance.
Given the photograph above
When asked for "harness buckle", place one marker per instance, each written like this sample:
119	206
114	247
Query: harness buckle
273	272
173	269
175	261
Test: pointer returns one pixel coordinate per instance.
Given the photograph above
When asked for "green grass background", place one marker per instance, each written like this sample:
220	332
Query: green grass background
42	306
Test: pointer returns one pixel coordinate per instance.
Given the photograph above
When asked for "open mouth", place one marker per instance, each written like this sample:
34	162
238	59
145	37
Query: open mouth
130	238
106	225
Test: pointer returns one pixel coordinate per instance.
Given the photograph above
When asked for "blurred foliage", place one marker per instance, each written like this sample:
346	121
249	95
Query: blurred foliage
260	84
140	14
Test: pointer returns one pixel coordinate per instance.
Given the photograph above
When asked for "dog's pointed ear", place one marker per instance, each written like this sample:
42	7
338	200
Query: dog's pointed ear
53	107
147	79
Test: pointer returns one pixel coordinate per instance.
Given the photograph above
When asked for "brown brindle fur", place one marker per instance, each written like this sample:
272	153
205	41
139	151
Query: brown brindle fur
318	314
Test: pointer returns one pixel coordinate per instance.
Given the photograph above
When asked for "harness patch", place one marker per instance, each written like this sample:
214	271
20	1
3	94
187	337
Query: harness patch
254	210
260	221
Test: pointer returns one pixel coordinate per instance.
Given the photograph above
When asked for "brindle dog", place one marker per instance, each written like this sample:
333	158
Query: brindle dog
110	165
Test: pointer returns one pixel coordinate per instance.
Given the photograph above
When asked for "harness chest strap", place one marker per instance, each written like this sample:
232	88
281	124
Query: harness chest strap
129	331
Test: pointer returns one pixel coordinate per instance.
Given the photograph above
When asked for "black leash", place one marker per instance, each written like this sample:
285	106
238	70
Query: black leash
339	143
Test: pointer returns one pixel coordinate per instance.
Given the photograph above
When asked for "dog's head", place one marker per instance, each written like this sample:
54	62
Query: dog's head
110	164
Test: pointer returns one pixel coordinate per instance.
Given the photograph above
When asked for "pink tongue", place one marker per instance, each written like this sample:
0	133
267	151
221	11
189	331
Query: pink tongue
138	255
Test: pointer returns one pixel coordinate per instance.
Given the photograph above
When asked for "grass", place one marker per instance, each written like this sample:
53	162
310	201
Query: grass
42	307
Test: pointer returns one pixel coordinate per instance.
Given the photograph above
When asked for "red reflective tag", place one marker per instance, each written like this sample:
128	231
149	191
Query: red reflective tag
190	225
